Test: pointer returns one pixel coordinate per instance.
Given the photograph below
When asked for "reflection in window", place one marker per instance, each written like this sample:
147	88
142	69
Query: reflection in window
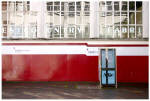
124	18
116	6
131	18
132	5
71	19
124	5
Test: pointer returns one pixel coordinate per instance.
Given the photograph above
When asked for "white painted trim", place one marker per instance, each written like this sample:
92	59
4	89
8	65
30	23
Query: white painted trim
145	18
78	41
68	49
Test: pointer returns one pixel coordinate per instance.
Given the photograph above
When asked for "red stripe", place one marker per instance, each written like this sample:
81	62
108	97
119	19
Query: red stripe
44	43
118	45
93	45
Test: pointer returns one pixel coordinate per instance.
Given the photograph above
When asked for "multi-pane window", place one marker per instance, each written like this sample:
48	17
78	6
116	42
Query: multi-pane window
71	19
120	19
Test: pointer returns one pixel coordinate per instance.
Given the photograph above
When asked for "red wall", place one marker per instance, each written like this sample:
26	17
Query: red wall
70	68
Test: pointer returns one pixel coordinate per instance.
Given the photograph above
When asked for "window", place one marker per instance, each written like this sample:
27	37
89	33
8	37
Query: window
71	19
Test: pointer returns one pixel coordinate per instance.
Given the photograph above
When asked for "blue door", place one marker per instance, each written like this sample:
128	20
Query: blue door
108	67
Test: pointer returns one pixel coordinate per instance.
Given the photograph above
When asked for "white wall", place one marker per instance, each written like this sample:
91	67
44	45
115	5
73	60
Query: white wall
145	19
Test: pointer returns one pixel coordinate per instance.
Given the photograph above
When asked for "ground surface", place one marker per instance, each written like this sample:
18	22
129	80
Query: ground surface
71	90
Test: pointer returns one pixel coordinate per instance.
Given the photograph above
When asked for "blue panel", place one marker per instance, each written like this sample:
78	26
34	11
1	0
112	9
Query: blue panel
111	77
111	58
103	56
103	77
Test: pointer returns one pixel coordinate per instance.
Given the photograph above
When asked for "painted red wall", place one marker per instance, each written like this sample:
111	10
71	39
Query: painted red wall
70	68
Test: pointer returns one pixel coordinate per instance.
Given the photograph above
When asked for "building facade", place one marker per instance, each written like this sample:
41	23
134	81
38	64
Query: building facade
60	40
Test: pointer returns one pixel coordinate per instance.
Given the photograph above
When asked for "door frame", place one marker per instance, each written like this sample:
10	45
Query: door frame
100	68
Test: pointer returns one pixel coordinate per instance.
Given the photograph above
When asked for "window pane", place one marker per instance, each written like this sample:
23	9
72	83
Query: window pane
138	17
124	6
124	17
116	31
139	31
109	5
124	32
4	31
78	31
87	7
116	17
132	31
131	5
56	31
56	18
78	6
116	6
56	6
108	31
139	5
71	6
109	17
49	6
78	18
102	6
71	31
131	18
19	6
4	5
86	31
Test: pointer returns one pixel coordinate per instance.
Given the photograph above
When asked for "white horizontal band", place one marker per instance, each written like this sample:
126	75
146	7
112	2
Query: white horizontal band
68	49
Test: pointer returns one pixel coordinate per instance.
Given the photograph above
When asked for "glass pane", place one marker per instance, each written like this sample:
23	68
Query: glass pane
139	31
116	18
139	5
103	77
102	27
116	6
86	31
86	19
138	17
109	18
131	5
56	6
78	6
71	6
49	18
124	6
109	5
71	17
4	5
132	31
103	58
56	31
108	31
57	18
4	17
102	6
116	31
131	18
4	31
124	18
71	31
78	31
87	7
49	31
19	6
111	77
78	18
111	58
49	6
124	32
